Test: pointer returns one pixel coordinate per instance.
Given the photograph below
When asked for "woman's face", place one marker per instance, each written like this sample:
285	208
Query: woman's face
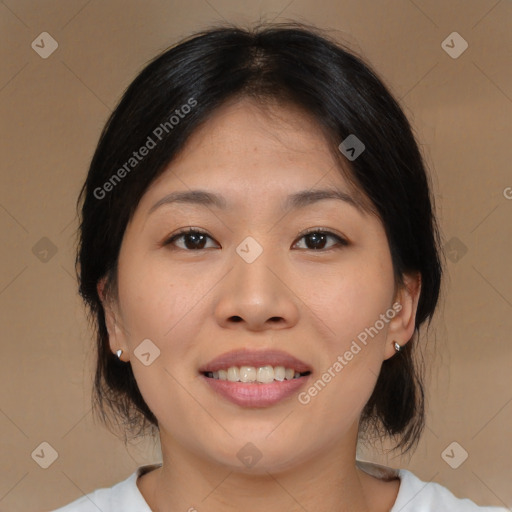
196	298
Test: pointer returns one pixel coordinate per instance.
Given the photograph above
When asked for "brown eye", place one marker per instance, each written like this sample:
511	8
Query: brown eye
316	240
192	239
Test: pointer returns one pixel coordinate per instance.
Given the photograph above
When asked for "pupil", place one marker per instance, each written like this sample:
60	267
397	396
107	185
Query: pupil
317	236
195	238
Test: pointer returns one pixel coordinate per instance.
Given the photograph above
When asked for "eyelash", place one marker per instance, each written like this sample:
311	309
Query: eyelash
341	242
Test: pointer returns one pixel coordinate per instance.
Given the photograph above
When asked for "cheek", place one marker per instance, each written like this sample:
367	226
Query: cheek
157	297
351	351
351	347
164	305
351	299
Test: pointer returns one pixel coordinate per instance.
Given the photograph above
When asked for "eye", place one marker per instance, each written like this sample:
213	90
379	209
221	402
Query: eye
194	239
317	238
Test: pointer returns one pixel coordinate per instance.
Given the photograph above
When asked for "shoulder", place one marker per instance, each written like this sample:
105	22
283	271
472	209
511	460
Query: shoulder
416	495
123	496
100	499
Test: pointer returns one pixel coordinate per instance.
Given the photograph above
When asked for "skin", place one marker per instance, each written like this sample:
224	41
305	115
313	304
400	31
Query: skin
310	303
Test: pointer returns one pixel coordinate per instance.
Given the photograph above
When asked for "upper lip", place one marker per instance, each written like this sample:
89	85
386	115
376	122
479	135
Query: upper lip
246	357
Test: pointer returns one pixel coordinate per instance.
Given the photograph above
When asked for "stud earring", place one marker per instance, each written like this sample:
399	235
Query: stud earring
397	347
119	352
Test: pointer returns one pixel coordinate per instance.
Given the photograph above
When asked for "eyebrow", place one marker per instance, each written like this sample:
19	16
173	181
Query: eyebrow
293	201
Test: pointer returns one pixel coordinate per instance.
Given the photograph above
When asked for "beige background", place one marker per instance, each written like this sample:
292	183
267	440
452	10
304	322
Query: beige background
52	111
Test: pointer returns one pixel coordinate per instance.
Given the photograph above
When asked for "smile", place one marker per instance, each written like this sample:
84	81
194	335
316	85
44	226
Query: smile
254	393
260	375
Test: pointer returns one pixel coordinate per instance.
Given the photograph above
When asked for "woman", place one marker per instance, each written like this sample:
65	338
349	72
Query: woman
259	251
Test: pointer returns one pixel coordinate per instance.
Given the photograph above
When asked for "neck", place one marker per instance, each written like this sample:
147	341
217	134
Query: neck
329	482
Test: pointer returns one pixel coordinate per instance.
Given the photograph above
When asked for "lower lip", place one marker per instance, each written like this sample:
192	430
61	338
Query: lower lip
254	394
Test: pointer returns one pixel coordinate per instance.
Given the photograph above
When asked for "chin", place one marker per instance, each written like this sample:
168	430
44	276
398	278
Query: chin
256	455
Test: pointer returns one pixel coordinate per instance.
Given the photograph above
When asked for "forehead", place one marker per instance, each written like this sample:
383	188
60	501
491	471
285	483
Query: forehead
270	126
247	151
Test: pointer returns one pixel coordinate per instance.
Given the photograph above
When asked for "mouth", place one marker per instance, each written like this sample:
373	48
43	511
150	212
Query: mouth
244	358
255	379
255	375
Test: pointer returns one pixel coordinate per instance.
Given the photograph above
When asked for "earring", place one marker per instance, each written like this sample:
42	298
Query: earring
119	352
397	347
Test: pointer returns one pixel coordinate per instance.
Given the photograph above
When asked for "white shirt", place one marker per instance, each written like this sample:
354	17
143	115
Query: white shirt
414	495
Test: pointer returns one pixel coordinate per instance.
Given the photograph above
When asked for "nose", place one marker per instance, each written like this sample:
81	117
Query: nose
257	296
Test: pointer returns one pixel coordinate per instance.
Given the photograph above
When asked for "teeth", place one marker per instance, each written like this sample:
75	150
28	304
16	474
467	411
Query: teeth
279	373
233	374
247	374
263	374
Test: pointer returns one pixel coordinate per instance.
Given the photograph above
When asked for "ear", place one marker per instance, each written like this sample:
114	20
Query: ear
115	334
401	327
